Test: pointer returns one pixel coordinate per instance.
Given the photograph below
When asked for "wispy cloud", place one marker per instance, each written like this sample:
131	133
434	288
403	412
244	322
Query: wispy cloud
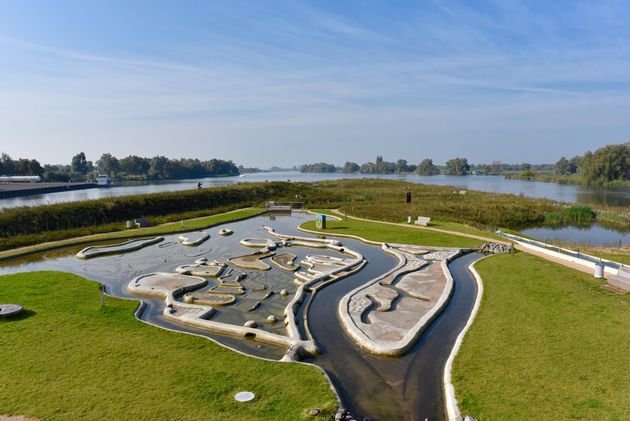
323	75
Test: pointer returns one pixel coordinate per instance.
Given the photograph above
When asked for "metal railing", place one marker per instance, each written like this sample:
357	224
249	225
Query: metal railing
557	249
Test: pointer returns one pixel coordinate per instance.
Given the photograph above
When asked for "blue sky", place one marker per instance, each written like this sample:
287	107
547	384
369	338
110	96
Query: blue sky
287	82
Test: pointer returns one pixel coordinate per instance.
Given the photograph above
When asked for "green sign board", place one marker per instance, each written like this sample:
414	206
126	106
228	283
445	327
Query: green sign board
320	221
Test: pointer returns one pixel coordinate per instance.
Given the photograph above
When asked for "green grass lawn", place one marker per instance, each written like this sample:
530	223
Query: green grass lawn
70	358
377	231
547	344
168	228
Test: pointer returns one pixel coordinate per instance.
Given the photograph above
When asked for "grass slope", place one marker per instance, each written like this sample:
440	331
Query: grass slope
377	231
70	358
548	344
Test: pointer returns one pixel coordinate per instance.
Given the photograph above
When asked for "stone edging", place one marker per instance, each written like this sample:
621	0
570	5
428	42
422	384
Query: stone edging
142	306
124	247
450	402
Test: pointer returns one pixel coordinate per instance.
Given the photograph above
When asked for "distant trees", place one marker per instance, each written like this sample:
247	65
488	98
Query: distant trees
426	167
162	168
607	164
22	166
135	165
320	167
108	164
457	166
351	167
80	164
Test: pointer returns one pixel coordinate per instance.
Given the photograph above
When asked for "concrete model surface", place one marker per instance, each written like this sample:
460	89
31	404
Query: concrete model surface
203	268
387	315
285	261
191	300
126	247
193	239
252	261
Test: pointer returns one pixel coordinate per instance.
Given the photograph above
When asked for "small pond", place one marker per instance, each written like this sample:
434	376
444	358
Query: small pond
594	235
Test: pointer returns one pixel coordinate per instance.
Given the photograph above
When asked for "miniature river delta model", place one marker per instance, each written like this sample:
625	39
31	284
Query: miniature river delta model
255	291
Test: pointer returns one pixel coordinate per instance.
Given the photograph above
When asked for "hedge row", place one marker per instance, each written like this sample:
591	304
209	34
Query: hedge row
73	215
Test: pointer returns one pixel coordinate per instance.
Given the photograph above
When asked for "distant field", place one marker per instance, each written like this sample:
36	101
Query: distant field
68	358
376	231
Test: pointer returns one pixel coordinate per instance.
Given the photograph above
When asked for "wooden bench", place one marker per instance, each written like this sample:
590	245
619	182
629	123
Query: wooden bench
423	220
622	279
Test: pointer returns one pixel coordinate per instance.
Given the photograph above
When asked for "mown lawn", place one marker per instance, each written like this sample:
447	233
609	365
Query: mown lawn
69	358
547	344
377	231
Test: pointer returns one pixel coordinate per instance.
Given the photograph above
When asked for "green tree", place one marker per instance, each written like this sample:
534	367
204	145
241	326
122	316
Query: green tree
108	164
607	164
562	166
426	167
457	166
350	167
80	163
7	164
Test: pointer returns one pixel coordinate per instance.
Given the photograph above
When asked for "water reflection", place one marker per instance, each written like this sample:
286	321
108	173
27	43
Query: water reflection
594	235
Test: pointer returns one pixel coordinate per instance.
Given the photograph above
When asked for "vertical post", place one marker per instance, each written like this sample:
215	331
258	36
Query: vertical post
101	287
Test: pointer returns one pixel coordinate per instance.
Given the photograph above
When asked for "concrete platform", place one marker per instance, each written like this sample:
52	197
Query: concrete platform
388	314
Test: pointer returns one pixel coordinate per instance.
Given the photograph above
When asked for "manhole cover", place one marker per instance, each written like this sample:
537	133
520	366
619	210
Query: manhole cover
9	309
244	396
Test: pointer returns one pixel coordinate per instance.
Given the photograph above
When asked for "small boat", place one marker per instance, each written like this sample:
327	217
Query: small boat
225	231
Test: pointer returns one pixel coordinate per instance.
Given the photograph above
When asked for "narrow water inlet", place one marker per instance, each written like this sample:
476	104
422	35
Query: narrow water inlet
406	388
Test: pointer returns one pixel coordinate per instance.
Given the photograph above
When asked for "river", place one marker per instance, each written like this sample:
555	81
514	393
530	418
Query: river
495	184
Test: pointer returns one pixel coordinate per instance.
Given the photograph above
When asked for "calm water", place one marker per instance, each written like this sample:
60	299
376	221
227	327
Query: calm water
496	184
595	235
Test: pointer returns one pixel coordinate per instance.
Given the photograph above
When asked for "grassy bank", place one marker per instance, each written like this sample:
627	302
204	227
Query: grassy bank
69	358
169	228
548	343
384	200
376	231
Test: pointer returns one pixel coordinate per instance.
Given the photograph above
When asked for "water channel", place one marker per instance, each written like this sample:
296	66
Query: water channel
381	388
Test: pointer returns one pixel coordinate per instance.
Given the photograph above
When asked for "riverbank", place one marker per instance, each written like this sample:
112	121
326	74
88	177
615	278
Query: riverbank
449	208
10	190
574	179
611	196
94	362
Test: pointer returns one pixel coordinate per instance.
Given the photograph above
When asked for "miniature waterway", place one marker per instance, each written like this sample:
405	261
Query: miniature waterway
409	387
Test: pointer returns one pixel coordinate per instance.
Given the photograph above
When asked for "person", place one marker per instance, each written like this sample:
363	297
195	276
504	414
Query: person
199	185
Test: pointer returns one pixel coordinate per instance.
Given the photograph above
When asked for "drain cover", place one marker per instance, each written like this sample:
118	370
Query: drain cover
7	310
244	396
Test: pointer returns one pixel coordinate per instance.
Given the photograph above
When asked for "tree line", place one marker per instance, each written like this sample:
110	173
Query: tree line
130	167
455	166
606	165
